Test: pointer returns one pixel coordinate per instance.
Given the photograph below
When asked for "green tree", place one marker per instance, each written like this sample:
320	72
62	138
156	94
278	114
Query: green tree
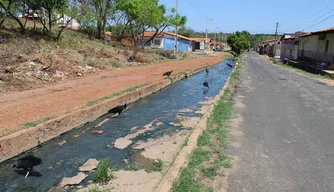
11	9
52	8
239	41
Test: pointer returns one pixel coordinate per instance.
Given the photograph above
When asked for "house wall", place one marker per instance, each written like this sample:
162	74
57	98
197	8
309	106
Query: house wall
151	44
182	44
313	48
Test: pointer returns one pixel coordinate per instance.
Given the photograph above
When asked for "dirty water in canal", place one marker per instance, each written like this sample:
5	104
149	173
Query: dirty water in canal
81	144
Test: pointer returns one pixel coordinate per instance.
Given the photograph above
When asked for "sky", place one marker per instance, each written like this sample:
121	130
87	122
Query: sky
256	16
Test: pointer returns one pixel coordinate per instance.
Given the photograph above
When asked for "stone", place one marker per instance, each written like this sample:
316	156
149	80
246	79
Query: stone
90	165
122	143
72	180
56	189
62	143
99	132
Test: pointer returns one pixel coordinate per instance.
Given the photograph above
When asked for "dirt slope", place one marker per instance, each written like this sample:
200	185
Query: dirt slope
70	95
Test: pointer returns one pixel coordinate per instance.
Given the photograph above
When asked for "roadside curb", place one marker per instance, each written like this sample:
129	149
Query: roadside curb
181	160
21	141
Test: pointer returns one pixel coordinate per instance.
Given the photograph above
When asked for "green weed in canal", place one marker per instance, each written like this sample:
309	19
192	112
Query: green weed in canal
102	174
133	167
158	165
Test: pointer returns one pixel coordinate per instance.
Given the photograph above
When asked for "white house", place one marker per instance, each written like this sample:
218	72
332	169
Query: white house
73	24
157	41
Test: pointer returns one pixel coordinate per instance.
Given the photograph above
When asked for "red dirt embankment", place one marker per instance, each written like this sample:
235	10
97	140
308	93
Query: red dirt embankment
70	95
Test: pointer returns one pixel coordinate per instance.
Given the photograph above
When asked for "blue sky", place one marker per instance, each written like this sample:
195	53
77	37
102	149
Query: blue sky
256	16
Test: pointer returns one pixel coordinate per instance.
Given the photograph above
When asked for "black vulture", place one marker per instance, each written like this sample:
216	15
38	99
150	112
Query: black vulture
118	109
168	73
229	65
206	84
206	70
27	163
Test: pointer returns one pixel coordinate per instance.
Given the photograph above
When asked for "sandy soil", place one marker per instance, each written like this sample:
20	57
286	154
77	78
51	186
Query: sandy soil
54	100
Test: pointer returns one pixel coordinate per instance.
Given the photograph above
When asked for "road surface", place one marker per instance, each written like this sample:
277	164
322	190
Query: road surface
288	131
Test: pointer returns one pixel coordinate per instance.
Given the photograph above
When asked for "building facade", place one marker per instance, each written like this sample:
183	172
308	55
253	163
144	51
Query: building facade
317	46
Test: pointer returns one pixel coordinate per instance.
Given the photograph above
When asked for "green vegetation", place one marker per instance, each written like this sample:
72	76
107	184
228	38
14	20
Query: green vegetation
239	41
95	17
115	64
305	72
158	165
102	173
132	167
97	101
31	124
208	159
96	189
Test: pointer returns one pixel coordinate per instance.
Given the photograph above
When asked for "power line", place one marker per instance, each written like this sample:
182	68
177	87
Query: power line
319	22
317	14
322	15
320	11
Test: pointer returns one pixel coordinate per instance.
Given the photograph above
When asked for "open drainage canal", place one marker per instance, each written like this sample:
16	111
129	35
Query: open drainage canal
81	144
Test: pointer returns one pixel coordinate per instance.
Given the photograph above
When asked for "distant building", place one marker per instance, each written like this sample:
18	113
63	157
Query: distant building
63	19
165	40
200	43
317	46
289	45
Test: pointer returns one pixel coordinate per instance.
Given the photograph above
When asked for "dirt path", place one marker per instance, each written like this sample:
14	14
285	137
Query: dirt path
70	95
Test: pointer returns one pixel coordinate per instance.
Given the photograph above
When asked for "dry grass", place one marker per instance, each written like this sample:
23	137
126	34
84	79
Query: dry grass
32	59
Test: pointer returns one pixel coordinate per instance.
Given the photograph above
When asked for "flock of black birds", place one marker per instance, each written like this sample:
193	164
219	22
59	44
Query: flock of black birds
28	162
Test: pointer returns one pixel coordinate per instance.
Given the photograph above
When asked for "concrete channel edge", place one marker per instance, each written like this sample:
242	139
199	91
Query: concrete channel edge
181	160
21	141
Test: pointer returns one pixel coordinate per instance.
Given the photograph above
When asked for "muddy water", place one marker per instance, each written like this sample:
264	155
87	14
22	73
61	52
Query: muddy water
81	144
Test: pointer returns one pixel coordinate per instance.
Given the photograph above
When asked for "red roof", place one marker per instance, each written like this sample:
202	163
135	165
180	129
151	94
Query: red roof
200	39
150	34
180	36
331	29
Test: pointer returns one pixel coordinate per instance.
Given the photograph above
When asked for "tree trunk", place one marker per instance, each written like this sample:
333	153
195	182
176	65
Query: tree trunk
61	30
2	20
50	23
156	32
22	28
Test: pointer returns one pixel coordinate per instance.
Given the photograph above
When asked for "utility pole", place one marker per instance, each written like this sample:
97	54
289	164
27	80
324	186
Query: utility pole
219	39
206	34
275	39
175	43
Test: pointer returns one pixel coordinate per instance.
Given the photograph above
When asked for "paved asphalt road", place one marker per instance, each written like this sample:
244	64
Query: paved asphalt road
288	140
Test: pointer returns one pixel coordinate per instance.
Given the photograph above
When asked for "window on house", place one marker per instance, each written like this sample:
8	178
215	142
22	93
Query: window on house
157	42
290	52
326	46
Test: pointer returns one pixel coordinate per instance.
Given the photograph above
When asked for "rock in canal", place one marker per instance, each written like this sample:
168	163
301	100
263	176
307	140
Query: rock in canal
90	165
72	180
98	132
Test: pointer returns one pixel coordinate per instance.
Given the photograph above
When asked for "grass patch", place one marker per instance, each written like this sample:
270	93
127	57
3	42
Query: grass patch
32	124
102	173
96	189
304	72
97	101
158	165
115	64
132	167
209	158
204	139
